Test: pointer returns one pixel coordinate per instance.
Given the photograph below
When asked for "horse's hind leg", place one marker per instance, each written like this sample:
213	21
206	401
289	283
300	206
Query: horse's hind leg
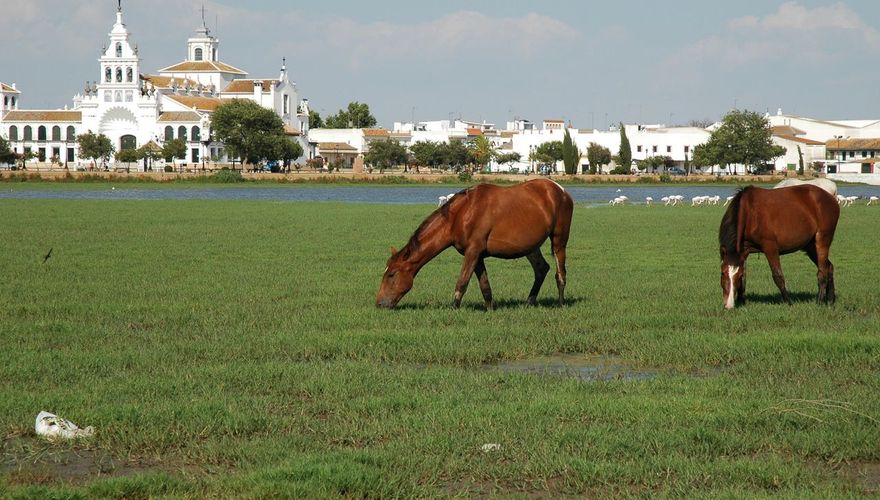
559	254
483	278
558	242
825	270
541	267
772	254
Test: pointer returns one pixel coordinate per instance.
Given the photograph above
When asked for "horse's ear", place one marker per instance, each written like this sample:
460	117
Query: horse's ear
393	251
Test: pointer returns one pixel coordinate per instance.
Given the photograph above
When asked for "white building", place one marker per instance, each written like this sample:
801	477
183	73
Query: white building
133	108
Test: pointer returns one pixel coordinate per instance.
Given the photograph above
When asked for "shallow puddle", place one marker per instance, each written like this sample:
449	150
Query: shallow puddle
588	368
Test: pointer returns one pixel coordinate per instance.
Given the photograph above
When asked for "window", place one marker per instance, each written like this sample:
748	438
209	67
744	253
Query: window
199	55
638	149
654	149
864	154
668	149
194	155
214	54
852	154
71	133
28	133
41	154
169	133
687	149
56	133
286	109
56	154
41	133
866	168
70	155
119	75
13	133
118	50
108	75
129	75
196	134
181	133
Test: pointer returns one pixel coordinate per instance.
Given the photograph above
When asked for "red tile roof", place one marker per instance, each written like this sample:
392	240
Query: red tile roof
801	140
43	116
246	86
202	67
850	144
200	103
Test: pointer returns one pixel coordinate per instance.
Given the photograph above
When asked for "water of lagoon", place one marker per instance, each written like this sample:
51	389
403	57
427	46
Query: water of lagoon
583	195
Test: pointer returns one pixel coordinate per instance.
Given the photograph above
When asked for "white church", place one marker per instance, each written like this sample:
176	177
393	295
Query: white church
134	108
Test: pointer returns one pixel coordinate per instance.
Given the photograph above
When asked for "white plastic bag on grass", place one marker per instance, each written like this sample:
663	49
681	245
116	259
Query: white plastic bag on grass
54	427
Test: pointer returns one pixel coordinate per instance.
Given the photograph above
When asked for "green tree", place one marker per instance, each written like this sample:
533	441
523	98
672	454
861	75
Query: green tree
95	146
315	120
482	151
386	154
149	152
249	131
357	115
703	156
743	138
174	149
455	154
625	153
288	151
570	155
547	153
800	161
128	156
426	153
598	156
655	162
508	158
7	155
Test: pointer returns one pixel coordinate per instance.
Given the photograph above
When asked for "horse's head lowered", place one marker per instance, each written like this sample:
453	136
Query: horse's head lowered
397	280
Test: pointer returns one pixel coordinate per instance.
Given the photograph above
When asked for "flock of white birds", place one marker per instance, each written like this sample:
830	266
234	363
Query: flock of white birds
677	199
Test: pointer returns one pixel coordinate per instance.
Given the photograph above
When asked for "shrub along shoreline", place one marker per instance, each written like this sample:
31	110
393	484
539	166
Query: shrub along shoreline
392	177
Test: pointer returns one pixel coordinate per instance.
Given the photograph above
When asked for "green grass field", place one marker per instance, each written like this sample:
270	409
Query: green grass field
232	349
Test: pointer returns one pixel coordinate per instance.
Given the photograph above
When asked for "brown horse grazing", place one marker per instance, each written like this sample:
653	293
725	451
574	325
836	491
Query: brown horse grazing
777	222
487	221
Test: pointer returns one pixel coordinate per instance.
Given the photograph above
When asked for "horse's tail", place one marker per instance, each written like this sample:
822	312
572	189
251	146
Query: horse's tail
730	234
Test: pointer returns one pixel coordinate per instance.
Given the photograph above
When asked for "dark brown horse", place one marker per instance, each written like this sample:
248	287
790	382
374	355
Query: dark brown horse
777	222
487	221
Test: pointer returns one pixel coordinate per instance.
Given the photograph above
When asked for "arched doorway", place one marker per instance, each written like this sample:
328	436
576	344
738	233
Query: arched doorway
127	142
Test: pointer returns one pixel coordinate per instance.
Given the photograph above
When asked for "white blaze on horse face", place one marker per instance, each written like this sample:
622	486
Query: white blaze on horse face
731	272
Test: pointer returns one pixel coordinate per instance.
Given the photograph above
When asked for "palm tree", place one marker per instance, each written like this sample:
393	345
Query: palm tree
482	151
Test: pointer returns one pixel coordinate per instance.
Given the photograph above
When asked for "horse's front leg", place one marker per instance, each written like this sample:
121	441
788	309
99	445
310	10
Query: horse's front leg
483	277
541	268
772	254
467	269
741	288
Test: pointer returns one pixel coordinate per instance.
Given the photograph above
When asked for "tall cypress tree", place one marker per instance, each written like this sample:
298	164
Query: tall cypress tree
570	154
625	153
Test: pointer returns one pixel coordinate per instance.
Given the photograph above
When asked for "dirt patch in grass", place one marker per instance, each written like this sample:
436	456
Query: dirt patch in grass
33	461
865	476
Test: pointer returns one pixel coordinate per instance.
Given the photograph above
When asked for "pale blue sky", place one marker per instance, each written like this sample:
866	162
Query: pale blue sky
635	61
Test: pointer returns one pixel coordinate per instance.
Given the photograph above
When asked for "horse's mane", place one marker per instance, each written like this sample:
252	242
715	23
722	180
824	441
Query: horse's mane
728	234
441	212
